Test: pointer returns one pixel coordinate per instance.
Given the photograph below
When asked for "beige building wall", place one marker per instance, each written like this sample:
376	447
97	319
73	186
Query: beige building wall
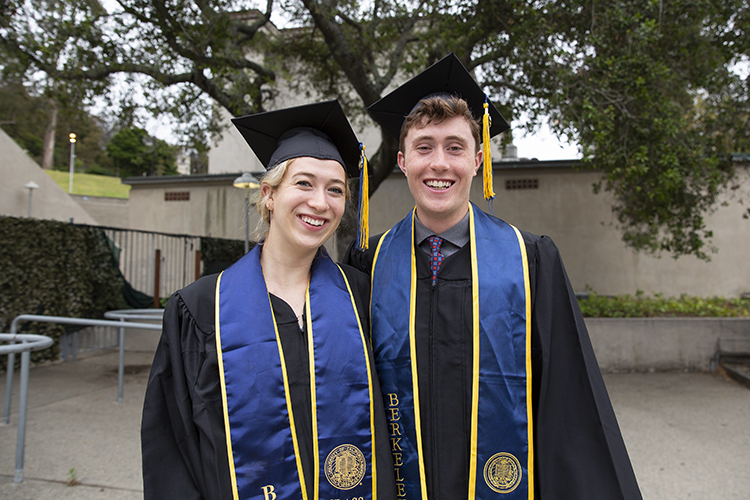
581	224
110	212
562	206
197	205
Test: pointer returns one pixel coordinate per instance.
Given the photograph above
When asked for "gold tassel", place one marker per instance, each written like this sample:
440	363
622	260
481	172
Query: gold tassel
489	193
363	230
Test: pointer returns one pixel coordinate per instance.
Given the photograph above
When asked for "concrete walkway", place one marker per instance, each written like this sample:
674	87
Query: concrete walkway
688	433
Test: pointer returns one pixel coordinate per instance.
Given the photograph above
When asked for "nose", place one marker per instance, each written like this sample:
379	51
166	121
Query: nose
439	161
318	199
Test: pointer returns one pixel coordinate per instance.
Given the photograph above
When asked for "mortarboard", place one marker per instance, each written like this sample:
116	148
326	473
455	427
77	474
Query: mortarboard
319	130
446	77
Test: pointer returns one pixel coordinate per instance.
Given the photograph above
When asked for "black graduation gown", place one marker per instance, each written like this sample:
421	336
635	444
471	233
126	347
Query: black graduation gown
579	453
182	433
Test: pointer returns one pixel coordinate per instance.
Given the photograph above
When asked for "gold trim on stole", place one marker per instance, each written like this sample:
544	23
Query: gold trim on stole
475	360
529	414
413	353
313	397
369	377
232	472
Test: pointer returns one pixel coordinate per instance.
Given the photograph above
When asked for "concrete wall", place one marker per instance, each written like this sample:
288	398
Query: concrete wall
49	201
110	212
665	344
622	344
214	208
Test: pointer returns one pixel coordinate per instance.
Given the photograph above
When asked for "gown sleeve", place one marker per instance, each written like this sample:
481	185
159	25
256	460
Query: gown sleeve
361	260
579	450
182	435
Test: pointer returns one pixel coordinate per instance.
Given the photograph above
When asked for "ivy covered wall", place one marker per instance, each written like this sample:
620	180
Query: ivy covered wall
55	269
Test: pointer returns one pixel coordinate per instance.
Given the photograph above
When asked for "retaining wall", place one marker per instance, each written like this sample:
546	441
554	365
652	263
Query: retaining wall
665	344
624	344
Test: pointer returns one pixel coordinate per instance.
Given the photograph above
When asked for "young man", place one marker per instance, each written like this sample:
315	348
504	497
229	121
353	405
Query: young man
490	382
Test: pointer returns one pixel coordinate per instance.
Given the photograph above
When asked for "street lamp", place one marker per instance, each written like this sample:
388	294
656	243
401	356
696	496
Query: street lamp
72	137
31	186
151	142
247	182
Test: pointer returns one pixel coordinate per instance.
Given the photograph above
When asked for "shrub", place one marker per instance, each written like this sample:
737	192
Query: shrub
55	269
640	306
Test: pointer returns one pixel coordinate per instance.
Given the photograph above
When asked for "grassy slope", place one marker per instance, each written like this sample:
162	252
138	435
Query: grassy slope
91	185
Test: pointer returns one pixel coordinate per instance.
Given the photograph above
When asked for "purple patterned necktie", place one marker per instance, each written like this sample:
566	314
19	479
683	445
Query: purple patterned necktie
436	256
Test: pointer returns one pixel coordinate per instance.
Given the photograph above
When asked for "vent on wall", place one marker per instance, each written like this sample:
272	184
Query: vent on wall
522	184
177	196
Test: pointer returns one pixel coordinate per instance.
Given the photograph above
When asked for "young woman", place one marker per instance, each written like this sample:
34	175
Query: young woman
263	384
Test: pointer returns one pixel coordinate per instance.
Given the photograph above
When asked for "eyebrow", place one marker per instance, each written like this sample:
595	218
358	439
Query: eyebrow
456	138
310	174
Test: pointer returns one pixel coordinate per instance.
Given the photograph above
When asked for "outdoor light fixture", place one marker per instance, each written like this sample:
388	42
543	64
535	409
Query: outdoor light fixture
246	181
31	186
72	137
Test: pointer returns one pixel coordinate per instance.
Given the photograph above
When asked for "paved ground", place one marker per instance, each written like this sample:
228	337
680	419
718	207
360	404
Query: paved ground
688	433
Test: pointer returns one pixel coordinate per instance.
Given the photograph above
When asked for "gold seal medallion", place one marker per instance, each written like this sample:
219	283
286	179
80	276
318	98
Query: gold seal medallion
502	472
345	467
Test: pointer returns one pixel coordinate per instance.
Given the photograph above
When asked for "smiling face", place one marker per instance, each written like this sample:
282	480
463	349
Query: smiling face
307	206
440	160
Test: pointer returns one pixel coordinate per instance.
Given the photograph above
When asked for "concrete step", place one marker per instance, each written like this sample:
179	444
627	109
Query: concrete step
738	371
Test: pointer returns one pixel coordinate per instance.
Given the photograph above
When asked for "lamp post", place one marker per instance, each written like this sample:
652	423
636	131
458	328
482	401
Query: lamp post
31	186
247	182
72	137
151	142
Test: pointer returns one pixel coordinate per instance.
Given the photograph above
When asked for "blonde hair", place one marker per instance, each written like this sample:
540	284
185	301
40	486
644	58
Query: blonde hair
272	179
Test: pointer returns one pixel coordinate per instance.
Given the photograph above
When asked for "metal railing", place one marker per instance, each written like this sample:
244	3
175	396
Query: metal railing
87	340
122	323
22	343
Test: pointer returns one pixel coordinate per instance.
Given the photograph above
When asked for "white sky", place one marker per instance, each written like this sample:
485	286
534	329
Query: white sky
543	145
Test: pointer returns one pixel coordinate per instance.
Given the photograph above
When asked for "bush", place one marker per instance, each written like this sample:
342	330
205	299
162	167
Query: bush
640	306
219	253
56	269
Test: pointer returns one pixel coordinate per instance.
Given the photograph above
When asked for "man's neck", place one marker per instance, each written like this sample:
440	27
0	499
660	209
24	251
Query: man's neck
440	225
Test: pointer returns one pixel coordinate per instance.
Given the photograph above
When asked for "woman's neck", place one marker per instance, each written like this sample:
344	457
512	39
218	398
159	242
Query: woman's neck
287	274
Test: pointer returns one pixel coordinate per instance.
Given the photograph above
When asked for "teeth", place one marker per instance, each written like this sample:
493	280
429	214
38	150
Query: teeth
311	221
439	184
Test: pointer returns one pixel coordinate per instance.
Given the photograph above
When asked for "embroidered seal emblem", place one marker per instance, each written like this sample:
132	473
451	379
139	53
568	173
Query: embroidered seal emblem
345	467
502	472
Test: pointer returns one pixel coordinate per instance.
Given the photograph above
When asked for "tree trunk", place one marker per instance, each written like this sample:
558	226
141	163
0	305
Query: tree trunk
49	138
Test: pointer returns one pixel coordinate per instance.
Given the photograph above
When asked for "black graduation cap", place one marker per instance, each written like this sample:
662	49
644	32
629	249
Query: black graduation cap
319	130
447	76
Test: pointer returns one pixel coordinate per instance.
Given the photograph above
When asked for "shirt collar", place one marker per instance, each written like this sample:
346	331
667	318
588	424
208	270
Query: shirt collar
457	235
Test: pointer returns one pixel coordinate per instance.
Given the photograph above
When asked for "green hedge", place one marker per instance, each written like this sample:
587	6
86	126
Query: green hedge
218	253
640	306
55	269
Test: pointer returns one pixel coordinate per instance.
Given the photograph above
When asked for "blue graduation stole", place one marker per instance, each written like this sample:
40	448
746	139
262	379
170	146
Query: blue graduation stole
501	453
262	442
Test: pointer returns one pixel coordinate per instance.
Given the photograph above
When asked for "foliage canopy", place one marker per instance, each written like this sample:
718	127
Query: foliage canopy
645	87
135	153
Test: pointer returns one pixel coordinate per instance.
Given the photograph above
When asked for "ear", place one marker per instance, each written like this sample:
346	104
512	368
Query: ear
267	192
478	161
401	162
